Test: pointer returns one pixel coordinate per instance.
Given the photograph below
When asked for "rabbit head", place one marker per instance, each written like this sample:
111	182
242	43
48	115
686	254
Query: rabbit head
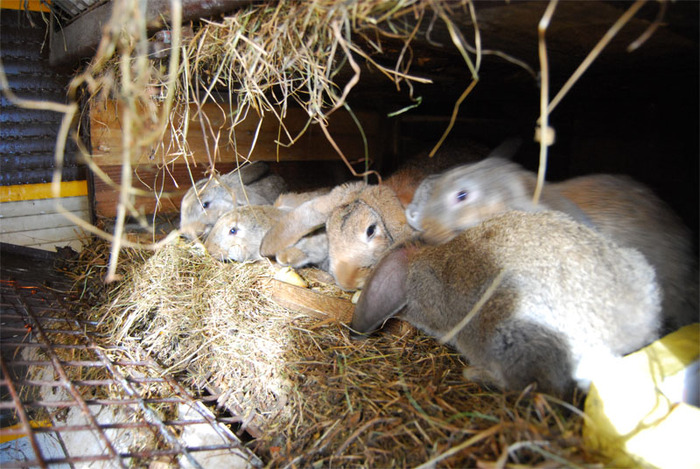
236	236
361	231
460	198
204	203
561	296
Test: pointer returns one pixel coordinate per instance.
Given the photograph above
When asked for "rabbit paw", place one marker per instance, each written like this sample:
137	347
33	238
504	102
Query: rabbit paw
292	256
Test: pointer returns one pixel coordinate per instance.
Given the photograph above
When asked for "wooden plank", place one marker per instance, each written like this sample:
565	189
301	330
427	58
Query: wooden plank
42	206
38	222
58	236
79	39
106	135
312	303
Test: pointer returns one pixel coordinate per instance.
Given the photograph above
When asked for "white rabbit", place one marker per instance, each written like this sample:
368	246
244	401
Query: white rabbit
568	299
204	203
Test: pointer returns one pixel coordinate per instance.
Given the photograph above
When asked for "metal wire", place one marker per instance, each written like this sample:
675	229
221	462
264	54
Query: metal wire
45	348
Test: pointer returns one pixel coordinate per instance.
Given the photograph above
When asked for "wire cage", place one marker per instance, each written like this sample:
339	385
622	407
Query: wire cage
68	396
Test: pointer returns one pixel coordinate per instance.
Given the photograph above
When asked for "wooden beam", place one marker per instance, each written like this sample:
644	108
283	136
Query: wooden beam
79	39
106	136
311	303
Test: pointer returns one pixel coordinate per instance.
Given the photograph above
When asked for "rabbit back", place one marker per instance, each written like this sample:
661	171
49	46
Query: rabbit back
567	294
632	215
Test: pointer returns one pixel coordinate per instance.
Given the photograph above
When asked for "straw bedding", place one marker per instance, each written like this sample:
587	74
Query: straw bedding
308	394
305	392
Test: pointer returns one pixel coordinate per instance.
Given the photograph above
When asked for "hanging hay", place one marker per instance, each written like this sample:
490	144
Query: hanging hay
307	392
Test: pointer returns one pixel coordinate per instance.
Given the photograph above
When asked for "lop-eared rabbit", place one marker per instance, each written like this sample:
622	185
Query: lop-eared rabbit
204	203
363	221
568	299
617	206
237	234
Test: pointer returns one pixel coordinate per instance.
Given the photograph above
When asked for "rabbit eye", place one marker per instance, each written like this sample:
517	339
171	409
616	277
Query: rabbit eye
205	205
371	229
233	231
462	195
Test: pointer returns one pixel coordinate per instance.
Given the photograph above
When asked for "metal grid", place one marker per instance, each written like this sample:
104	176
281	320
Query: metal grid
68	397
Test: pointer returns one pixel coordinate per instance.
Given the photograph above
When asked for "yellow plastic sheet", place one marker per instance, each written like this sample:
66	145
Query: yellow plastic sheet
640	409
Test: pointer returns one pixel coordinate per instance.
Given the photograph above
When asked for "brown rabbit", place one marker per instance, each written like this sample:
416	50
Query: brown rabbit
617	206
204	203
564	299
363	221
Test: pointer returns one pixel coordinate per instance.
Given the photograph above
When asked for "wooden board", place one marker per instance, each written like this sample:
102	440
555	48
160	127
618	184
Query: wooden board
312	303
106	135
311	162
37	223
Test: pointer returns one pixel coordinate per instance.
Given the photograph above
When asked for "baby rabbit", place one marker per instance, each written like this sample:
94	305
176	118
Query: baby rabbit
238	233
568	299
203	204
361	221
619	207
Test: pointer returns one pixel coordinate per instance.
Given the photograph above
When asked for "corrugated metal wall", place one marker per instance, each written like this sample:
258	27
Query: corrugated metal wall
27	136
28	214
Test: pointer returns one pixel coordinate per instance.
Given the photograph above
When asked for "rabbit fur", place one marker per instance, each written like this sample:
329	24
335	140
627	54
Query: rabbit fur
237	236
617	206
363	221
569	299
204	203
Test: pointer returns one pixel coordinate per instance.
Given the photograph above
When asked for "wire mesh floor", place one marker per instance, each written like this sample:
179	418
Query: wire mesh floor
69	397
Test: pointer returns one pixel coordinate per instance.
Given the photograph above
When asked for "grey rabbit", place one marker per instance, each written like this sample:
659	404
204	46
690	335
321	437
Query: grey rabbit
617	206
204	203
237	235
569	299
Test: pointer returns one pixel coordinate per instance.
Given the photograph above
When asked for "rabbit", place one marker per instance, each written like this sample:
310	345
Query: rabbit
306	218
363	221
363	229
291	200
617	206
204	203
237	235
568	299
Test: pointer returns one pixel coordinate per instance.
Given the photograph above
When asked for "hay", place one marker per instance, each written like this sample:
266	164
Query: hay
311	395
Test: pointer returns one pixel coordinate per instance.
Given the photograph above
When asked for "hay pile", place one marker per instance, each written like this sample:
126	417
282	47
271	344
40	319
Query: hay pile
311	395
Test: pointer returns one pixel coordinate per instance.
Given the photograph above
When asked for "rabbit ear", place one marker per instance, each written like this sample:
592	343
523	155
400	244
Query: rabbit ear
507	149
384	294
251	172
306	218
